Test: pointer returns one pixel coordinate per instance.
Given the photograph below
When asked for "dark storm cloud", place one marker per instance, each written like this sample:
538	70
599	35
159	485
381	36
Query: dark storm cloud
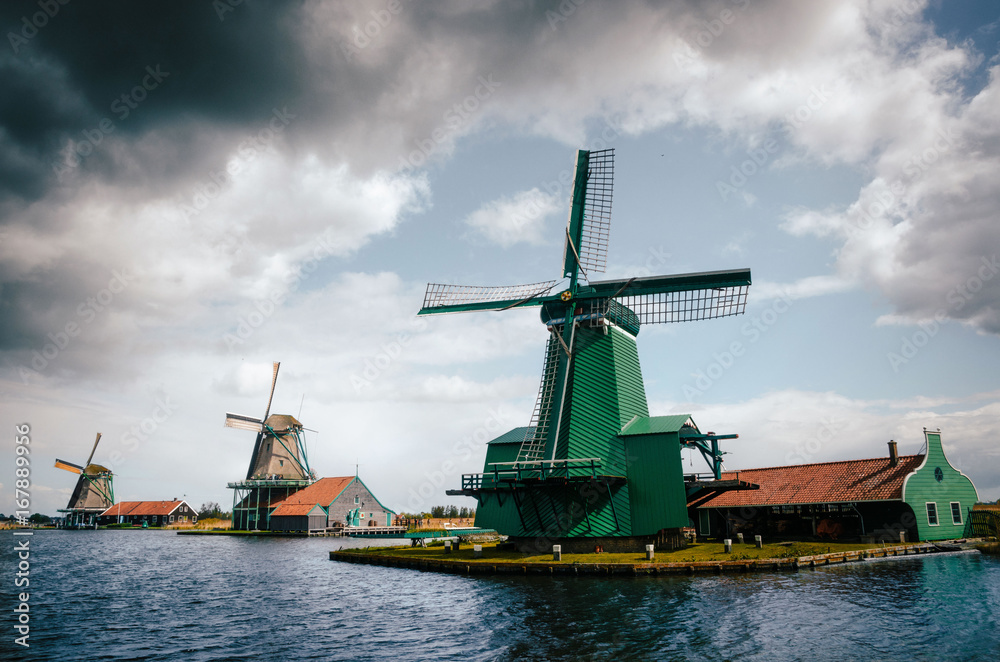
134	66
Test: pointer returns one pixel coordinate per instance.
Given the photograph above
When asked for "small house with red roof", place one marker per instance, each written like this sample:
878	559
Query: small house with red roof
921	496
152	513
344	501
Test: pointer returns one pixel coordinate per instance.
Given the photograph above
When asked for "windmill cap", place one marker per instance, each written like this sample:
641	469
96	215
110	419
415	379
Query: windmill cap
282	422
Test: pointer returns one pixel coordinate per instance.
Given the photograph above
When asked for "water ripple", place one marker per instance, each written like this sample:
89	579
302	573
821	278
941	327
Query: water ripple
149	595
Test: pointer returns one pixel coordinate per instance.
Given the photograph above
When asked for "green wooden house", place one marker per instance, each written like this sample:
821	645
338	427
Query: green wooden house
939	495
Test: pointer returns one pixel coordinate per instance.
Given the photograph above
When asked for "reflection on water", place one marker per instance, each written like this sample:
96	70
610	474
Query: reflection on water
147	595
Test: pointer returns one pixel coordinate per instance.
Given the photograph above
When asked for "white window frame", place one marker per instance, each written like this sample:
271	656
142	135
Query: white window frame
954	510
937	519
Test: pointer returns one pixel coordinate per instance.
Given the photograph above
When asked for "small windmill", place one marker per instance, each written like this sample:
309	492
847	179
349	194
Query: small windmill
278	467
94	491
591	388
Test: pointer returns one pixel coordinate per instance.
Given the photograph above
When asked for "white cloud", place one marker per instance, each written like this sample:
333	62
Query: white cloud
799	427
517	218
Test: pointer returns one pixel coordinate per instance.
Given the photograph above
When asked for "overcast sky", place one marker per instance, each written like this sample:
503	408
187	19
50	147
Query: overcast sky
189	191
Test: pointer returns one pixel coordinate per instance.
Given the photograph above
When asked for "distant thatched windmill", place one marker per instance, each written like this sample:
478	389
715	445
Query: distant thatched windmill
94	492
278	466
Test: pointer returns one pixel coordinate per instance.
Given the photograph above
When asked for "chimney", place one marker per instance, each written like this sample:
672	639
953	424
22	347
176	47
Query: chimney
893	454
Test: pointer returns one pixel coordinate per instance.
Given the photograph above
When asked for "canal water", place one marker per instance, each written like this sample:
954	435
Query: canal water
154	595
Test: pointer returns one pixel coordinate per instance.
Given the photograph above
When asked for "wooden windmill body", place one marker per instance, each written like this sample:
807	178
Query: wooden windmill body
593	468
278	468
93	493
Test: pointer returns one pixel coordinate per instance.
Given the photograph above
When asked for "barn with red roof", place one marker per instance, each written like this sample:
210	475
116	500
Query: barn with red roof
920	496
150	513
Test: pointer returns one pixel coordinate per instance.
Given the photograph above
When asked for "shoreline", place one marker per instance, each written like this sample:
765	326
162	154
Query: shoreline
472	566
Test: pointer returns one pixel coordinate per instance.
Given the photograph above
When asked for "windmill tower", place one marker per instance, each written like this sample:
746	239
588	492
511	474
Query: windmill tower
278	466
94	492
593	465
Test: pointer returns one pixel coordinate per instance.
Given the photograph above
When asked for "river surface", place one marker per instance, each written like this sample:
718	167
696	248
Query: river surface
154	595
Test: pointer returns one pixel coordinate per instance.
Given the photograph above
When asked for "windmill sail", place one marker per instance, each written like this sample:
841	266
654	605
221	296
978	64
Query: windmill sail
588	229
441	298
239	422
666	299
68	466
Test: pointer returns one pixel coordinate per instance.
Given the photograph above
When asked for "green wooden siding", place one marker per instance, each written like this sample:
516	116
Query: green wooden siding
656	483
923	486
606	394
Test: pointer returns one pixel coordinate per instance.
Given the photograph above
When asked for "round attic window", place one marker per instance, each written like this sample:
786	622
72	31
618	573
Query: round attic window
938	474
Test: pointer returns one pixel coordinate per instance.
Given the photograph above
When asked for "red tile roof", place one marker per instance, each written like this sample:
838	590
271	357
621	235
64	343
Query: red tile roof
826	482
257	500
293	509
323	491
142	508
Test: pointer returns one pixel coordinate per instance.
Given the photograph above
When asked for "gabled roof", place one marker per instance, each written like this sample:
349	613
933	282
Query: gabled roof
656	424
826	482
324	491
515	436
143	508
286	509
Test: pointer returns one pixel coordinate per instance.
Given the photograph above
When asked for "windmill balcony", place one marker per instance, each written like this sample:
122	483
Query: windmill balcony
270	482
538	473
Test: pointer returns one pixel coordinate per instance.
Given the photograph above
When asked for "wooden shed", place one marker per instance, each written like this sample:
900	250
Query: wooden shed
298	517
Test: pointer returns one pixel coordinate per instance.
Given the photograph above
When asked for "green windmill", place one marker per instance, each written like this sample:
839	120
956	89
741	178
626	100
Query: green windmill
593	468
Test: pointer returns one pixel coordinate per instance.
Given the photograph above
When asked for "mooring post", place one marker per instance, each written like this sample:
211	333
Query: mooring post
758	542
477	551
447	547
739	536
557	552
649	552
729	545
902	536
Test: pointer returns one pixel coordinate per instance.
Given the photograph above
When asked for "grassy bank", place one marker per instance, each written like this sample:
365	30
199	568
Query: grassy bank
699	552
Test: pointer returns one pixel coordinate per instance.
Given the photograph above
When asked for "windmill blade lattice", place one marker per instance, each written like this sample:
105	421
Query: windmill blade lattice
238	422
597	211
688	306
440	296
